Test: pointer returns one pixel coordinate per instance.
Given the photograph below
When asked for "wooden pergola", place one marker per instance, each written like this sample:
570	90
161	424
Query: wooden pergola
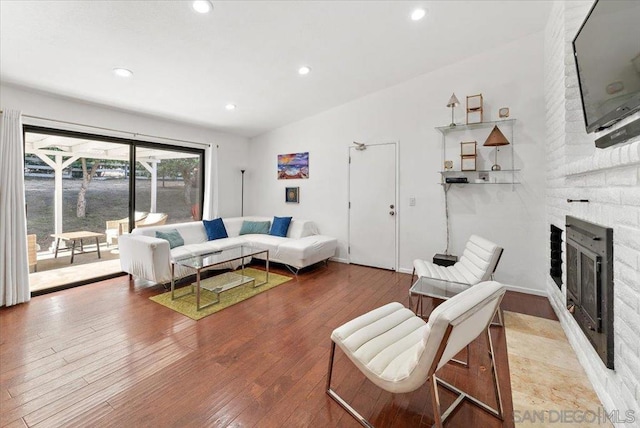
59	152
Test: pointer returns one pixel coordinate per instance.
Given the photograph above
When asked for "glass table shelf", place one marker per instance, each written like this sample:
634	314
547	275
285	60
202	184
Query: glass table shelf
464	127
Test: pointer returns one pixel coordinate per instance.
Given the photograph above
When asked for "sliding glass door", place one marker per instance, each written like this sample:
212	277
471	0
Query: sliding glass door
168	185
79	197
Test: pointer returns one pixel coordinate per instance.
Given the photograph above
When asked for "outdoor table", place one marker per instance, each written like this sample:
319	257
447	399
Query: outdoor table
75	237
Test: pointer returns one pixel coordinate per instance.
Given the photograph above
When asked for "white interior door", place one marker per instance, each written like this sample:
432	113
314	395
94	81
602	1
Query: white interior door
373	202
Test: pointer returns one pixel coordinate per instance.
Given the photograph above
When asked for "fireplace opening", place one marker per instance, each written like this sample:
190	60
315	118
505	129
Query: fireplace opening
589	250
556	255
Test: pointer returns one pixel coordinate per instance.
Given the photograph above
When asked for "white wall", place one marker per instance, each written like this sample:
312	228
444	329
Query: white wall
610	179
511	76
232	150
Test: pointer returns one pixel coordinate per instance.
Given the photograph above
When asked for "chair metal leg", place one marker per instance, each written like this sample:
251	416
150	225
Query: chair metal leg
462	363
496	383
500	317
330	371
435	401
413	274
498	413
293	270
357	416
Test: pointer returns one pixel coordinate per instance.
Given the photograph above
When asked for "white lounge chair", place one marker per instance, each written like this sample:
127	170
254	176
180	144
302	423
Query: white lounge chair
399	352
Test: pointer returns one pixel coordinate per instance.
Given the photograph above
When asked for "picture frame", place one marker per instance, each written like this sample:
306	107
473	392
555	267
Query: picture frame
468	163
474	117
468	148
293	166
292	195
474	102
474	109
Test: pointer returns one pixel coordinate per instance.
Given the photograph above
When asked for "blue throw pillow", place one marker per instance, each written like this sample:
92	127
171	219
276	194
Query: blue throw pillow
251	227
173	236
215	229
280	226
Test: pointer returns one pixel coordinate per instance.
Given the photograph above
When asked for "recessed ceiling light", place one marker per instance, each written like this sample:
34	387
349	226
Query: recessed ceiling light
418	14
202	6
122	72
304	70
230	107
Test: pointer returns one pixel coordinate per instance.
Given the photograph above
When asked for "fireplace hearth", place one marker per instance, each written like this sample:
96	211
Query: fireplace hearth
589	255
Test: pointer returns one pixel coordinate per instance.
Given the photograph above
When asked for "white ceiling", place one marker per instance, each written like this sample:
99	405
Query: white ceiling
188	66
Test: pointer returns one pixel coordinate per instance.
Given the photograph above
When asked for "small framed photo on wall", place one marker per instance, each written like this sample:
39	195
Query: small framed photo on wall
292	195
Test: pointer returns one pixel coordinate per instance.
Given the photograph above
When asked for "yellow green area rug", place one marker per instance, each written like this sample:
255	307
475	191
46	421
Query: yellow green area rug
186	304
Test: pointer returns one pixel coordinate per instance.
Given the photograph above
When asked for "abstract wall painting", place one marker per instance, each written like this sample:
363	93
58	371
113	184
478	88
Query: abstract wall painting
293	165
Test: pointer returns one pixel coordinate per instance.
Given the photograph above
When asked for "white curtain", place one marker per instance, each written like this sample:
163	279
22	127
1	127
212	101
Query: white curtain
210	209
14	265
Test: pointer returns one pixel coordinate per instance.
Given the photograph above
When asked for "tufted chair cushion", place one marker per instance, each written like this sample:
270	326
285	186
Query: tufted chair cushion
477	263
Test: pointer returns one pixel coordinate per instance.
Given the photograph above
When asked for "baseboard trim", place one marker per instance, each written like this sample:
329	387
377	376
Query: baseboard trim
541	293
518	289
339	260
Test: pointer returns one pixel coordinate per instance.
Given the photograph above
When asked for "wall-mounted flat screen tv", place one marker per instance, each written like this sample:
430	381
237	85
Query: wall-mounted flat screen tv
607	54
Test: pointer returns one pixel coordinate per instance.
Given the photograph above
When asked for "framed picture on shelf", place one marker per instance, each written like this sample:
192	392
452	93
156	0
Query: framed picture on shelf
474	117
474	109
474	102
468	148
292	194
468	163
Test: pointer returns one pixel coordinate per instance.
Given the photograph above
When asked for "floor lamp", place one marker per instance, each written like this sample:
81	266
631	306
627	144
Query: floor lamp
242	195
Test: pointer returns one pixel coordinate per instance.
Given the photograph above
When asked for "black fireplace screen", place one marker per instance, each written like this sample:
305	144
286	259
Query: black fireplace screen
572	271
590	283
590	296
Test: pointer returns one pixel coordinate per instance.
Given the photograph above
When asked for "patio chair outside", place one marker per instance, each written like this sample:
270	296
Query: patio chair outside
32	249
153	219
115	228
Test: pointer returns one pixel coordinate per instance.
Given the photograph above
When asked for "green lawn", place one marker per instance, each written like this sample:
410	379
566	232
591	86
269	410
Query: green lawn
107	199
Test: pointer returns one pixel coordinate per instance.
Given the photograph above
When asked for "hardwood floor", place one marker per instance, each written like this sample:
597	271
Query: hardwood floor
106	355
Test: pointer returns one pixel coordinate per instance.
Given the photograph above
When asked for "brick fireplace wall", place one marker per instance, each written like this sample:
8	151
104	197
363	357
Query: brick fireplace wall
610	179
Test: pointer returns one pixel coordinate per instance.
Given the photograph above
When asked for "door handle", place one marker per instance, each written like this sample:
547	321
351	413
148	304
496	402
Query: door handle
392	213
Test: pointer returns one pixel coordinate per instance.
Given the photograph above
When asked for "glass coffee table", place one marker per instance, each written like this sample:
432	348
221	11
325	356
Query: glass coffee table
435	288
223	282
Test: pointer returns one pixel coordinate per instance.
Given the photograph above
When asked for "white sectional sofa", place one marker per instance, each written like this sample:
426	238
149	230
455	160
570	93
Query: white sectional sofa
145	256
